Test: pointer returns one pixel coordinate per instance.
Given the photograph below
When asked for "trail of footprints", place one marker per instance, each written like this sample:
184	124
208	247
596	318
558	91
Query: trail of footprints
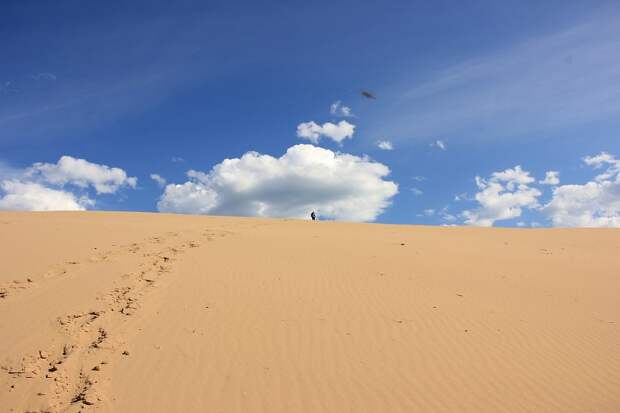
17	285
89	342
58	270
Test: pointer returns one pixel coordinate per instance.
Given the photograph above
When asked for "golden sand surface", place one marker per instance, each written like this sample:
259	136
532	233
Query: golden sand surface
140	312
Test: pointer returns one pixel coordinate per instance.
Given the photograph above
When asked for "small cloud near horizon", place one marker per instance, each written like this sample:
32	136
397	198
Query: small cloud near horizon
385	145
159	179
60	186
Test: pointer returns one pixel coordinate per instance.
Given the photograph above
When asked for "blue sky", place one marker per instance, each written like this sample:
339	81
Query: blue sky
155	88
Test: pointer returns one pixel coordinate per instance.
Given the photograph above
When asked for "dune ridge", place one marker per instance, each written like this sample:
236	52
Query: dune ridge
153	312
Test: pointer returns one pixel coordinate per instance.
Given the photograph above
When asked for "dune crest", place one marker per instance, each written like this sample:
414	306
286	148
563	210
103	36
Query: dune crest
132	312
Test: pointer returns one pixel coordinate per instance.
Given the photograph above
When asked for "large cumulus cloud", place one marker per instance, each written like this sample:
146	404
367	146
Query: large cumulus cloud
338	185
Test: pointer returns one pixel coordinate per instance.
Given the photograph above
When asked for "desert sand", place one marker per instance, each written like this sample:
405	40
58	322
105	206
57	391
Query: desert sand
133	312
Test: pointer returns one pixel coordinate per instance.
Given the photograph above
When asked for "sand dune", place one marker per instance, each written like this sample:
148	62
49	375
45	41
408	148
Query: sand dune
127	312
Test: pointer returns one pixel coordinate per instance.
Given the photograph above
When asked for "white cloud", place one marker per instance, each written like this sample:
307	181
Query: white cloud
419	178
159	179
463	196
30	196
601	160
385	145
309	130
502	197
41	187
81	173
338	109
439	144
177	159
446	216
593	204
337	185
416	191
336	132
188	198
551	178
442	213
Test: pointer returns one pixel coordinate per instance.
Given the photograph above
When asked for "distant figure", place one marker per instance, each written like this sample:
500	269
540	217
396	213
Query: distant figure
368	95
313	216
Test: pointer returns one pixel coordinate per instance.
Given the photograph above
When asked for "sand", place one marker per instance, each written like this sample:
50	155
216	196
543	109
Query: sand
130	312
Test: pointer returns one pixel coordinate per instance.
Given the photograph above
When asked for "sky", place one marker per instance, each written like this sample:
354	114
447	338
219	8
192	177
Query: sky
485	113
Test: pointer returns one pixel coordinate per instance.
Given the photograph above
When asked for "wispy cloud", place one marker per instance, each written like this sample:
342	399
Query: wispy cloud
44	76
7	87
555	81
119	79
338	109
439	144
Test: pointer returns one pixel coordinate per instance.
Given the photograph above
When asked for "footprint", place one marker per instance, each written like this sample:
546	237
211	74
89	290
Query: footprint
13	286
55	272
103	334
86	395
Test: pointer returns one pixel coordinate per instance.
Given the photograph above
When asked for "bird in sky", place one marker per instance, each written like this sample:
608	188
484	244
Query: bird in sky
368	95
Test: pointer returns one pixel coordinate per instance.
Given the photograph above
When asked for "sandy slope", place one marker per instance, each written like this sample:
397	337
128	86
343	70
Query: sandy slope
161	313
